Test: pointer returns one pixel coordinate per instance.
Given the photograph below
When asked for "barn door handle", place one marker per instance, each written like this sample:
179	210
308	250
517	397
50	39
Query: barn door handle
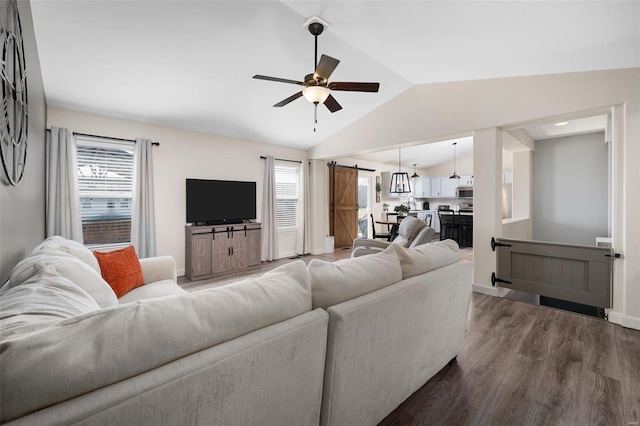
616	255
495	279
494	244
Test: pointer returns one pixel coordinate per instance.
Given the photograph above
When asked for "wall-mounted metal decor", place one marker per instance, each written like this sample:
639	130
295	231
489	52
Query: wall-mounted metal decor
14	112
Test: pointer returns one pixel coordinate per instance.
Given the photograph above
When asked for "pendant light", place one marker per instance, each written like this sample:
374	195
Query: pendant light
400	180
415	174
454	175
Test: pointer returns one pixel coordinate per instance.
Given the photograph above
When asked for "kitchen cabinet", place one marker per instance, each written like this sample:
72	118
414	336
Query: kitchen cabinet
435	220
466	180
421	187
443	187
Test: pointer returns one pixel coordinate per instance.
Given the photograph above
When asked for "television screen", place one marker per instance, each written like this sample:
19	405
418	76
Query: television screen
220	201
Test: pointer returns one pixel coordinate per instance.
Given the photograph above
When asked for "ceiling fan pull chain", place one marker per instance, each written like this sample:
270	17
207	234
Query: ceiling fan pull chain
315	116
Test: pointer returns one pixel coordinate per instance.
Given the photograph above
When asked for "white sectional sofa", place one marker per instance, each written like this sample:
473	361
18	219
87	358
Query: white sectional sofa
247	353
340	343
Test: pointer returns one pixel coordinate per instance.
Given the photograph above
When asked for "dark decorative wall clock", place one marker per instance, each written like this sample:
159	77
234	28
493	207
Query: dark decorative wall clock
14	112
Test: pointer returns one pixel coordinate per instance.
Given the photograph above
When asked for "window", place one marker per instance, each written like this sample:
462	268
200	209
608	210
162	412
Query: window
286	178
105	180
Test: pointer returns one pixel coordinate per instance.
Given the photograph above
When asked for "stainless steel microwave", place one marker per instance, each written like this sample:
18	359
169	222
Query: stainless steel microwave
465	192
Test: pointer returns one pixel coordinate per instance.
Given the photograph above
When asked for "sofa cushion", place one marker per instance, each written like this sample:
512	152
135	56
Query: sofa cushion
336	282
121	269
155	289
87	352
72	247
42	297
426	257
70	267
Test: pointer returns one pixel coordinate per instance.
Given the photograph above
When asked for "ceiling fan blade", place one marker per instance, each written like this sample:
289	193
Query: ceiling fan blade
332	104
354	87
289	99
279	80
325	67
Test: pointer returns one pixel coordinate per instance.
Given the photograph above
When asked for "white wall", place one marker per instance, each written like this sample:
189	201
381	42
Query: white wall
447	110
22	208
570	198
183	154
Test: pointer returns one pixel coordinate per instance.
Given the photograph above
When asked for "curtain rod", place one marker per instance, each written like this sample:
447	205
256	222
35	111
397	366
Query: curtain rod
334	164
282	159
108	137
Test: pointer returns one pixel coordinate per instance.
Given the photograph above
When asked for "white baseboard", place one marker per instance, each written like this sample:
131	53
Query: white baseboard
181	272
624	320
491	291
287	254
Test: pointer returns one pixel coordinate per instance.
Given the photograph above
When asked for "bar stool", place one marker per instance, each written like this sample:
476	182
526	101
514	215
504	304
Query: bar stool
466	230
449	225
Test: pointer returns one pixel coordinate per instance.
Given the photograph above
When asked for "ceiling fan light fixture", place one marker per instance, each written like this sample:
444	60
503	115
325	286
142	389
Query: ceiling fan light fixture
316	94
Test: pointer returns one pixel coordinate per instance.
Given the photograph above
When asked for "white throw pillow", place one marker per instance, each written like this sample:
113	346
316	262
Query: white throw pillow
426	257
70	267
46	293
337	282
72	247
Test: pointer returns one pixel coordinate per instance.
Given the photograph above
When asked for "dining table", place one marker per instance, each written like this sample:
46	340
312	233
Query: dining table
393	224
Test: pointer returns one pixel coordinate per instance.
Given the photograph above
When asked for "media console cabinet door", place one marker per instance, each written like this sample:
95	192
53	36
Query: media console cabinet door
217	250
254	242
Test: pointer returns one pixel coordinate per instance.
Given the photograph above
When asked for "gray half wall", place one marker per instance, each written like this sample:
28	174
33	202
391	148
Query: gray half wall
570	189
22	207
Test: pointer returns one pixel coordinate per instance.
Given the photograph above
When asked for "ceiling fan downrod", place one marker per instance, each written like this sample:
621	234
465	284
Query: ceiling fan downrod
316	28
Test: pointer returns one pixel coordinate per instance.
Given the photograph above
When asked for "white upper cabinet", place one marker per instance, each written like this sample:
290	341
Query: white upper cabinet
421	187
466	180
448	187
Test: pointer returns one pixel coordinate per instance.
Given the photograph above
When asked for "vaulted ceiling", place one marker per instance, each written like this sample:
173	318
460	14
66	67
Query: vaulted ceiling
189	64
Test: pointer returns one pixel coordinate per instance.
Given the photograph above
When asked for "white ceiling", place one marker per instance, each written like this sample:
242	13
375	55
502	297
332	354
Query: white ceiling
188	64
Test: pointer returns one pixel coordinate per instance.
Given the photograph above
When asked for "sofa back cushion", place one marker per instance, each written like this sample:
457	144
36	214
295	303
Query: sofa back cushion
426	257
43	297
408	229
87	352
70	267
71	247
336	282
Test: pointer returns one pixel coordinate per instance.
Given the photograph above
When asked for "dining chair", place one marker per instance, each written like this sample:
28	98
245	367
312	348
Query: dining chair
383	236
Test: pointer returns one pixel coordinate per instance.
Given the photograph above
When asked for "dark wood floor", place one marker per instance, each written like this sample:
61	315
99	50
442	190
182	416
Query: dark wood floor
531	365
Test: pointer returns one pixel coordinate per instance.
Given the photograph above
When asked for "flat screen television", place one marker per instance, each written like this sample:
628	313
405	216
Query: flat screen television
214	202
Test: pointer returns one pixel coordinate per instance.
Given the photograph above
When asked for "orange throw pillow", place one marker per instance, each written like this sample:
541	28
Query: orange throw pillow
121	269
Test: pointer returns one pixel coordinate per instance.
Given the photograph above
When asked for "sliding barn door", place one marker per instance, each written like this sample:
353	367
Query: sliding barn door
579	274
343	205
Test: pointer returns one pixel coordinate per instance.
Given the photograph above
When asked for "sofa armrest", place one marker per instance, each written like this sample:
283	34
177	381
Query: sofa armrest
158	268
369	242
363	251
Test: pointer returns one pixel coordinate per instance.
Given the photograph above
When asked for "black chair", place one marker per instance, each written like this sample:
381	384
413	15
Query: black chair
385	236
449	225
466	230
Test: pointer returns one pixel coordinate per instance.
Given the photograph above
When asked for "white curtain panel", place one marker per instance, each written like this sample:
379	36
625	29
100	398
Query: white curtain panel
143	220
303	240
269	224
62	195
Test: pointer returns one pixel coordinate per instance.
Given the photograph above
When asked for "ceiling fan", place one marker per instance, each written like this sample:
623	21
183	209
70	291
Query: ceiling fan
317	88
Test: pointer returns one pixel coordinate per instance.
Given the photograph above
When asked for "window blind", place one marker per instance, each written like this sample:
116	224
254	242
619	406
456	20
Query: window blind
105	180
286	179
